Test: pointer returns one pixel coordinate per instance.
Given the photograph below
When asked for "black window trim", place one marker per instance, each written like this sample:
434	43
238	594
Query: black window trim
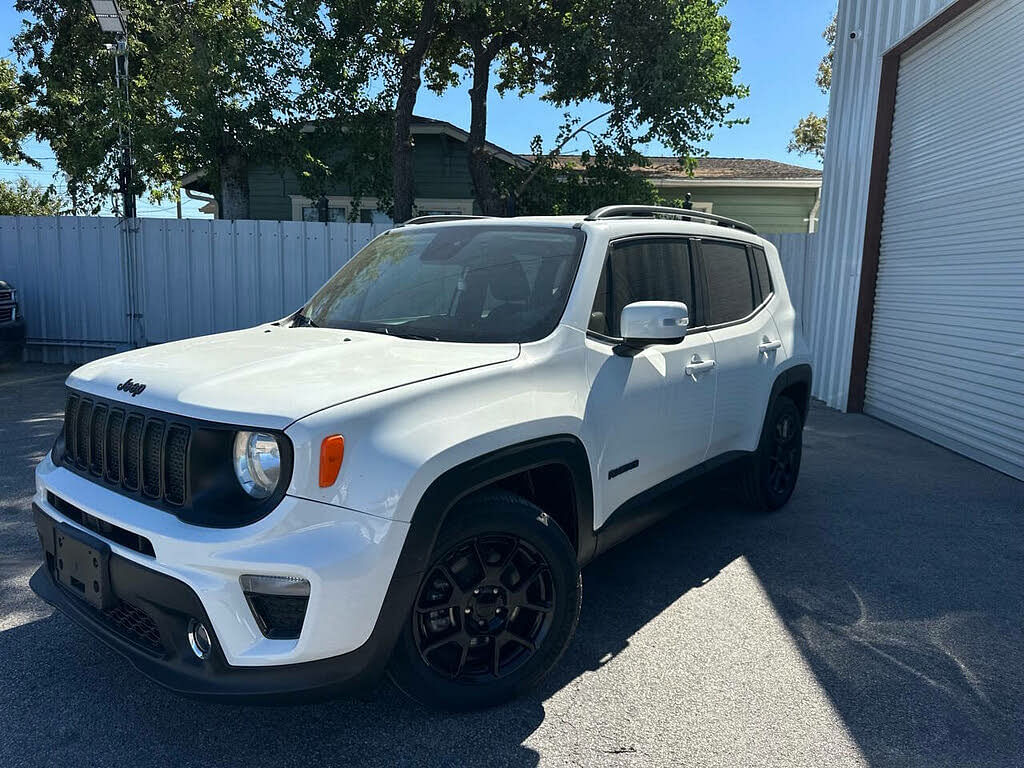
768	270
696	275
751	267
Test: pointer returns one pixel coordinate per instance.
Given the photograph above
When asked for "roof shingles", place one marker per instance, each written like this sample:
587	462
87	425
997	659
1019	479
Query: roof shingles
713	168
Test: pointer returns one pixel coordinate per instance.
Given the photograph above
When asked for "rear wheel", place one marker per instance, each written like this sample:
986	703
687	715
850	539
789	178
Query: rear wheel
496	609
770	474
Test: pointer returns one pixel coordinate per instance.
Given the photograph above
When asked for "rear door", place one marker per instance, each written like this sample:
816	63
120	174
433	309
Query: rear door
747	343
650	419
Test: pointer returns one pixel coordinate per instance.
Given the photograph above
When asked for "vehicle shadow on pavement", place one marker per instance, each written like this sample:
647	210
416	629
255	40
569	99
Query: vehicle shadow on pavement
896	571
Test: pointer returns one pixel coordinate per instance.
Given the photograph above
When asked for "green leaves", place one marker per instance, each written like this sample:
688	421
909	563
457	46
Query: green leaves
207	79
23	198
809	134
13	104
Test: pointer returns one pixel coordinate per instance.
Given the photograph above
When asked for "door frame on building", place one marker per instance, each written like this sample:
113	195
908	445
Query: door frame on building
876	196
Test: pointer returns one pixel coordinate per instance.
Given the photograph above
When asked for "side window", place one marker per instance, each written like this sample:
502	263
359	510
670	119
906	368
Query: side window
647	270
763	276
730	284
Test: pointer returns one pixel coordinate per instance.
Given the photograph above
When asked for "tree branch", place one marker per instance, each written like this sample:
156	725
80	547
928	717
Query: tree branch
539	163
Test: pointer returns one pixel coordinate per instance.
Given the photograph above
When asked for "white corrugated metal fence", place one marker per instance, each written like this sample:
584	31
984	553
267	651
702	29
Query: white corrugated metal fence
192	277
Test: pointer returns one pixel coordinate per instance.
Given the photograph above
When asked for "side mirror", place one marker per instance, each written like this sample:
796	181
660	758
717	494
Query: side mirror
653	322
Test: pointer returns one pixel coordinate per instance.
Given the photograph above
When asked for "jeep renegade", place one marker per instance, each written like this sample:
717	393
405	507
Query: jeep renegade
408	473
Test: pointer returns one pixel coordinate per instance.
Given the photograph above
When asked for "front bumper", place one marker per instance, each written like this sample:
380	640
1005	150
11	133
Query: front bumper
149	626
12	340
356	609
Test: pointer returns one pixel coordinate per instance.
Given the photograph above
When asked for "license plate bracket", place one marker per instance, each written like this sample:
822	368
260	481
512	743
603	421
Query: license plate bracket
82	565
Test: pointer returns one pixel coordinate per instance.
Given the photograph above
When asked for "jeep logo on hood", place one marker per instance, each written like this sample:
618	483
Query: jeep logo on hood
133	388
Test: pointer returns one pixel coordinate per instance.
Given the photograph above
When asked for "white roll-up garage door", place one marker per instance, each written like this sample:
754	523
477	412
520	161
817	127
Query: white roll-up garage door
947	341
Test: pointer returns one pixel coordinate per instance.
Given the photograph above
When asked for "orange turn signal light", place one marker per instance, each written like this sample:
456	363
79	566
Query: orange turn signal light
332	451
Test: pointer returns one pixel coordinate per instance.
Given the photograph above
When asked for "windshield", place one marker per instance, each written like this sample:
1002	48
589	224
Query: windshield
455	283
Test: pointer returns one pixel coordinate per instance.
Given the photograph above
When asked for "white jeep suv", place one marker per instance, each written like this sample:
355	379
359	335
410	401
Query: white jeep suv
409	472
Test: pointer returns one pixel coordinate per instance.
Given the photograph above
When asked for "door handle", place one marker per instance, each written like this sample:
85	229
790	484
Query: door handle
697	366
768	345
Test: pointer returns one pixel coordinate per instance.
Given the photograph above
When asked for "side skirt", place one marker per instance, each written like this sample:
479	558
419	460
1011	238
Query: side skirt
647	508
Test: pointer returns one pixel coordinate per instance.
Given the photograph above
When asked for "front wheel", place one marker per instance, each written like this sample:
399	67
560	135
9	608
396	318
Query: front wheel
496	609
770	474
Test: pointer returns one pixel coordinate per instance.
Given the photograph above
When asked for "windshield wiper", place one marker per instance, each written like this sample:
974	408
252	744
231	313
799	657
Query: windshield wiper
410	335
299	320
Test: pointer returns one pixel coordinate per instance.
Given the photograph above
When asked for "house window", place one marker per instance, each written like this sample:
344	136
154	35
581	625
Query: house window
304	209
336	214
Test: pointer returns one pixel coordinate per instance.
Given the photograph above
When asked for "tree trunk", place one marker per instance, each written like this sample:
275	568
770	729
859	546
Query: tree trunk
411	64
233	201
478	158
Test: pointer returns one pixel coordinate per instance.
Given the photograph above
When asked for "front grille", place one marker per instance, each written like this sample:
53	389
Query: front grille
8	307
128	449
136	625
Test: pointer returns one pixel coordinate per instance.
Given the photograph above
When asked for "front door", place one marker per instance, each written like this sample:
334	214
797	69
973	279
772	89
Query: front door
650	414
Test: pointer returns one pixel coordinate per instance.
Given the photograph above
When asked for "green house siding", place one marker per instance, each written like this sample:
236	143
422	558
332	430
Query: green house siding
440	171
767	209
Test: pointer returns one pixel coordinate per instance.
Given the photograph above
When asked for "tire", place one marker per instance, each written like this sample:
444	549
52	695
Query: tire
502	576
770	474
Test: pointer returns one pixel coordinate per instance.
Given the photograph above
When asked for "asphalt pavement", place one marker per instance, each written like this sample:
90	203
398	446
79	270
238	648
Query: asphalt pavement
877	620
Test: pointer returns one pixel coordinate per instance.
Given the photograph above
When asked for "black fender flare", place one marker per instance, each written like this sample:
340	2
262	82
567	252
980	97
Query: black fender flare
461	481
797	374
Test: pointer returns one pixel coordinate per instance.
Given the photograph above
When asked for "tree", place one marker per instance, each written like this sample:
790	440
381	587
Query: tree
581	51
13	103
208	82
368	56
809	134
555	185
23	198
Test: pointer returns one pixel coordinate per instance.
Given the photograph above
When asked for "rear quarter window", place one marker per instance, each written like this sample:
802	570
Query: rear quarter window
730	282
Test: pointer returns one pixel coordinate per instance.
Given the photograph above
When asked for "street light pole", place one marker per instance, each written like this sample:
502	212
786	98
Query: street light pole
112	20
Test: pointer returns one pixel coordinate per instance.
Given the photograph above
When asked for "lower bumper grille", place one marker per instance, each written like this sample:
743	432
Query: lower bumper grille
135	625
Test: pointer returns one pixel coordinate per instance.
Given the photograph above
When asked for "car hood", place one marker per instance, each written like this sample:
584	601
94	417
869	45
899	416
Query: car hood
270	376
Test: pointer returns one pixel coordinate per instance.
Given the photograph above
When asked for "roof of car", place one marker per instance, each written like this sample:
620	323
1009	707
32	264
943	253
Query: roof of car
620	225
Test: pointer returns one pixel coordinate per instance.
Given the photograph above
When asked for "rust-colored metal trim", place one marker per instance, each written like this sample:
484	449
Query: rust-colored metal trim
876	197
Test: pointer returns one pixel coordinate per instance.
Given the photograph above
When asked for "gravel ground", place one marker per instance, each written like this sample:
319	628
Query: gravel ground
877	620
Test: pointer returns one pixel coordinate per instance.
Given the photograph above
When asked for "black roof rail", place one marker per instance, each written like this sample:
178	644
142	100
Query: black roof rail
651	211
441	217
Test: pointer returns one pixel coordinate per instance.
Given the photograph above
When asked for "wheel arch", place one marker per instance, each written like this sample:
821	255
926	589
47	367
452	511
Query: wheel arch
459	482
795	383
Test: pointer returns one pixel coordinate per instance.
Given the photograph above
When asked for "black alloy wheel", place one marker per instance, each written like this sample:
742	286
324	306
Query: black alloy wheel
484	609
770	474
784	461
496	608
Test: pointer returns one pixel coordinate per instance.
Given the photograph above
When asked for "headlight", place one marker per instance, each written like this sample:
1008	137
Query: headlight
257	463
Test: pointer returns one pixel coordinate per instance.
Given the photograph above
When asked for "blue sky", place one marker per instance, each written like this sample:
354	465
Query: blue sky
778	43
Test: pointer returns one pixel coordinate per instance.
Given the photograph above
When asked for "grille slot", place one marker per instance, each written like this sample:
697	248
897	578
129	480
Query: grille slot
115	434
97	439
174	463
71	428
132	449
84	425
126	448
152	458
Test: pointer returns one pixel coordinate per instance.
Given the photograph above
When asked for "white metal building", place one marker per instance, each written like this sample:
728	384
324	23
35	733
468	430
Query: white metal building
919	297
